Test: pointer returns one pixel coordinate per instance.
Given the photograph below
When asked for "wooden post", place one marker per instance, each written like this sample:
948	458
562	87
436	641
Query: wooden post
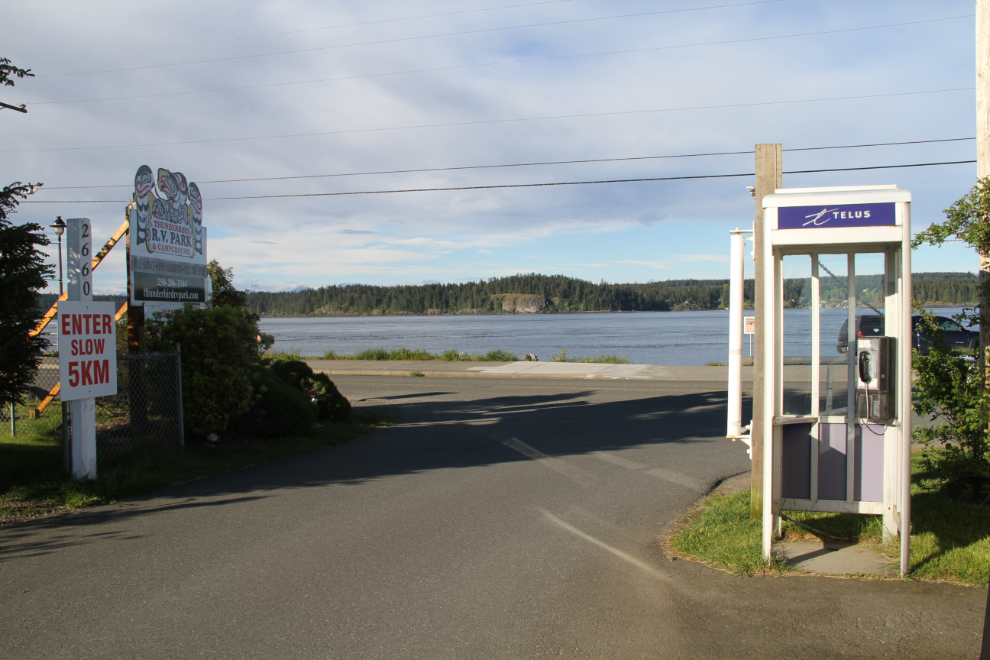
135	334
769	177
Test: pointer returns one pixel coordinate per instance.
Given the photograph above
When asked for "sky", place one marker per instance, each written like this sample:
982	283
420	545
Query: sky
344	94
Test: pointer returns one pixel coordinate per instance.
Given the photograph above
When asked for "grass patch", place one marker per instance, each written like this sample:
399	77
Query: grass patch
416	374
716	364
452	355
33	481
609	358
719	532
950	539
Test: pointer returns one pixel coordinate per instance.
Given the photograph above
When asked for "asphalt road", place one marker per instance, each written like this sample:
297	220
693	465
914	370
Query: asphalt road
502	518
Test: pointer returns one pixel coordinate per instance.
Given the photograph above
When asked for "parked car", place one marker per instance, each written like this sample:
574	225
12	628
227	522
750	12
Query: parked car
871	325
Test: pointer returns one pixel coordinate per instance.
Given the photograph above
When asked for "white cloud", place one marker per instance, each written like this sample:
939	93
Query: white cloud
631	228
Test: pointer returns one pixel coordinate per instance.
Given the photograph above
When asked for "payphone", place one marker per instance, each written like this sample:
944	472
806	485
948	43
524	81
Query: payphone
823	457
876	362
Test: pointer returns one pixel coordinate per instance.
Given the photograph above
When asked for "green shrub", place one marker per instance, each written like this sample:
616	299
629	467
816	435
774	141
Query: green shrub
498	355
372	354
219	348
318	388
286	409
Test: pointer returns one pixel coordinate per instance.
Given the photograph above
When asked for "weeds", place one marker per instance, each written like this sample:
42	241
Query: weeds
450	355
609	358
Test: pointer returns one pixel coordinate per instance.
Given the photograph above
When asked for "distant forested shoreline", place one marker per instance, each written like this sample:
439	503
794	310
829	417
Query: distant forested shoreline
535	293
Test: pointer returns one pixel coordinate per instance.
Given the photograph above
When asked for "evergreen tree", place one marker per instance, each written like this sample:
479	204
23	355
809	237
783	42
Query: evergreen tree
22	274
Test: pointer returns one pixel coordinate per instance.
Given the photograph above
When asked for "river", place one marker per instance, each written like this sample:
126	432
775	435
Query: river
665	338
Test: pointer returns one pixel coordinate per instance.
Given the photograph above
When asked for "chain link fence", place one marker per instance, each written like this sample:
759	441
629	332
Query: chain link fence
145	412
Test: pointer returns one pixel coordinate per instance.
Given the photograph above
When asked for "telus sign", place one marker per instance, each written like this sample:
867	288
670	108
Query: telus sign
827	217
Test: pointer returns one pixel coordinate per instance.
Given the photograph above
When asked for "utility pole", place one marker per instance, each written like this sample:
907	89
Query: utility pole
983	146
769	177
982	171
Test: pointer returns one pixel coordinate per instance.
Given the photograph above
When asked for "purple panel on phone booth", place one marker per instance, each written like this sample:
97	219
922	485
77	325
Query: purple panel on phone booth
795	459
869	463
840	215
832	461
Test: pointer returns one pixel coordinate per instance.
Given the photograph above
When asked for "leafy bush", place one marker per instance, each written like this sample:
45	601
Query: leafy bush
498	355
950	388
372	354
219	348
280	409
317	388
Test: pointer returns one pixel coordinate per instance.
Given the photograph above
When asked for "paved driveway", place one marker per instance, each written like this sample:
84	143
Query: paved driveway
502	518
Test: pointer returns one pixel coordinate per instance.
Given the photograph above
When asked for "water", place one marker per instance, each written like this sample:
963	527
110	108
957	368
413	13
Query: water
668	338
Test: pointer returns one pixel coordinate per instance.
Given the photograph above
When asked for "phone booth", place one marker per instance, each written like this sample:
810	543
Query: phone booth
825	449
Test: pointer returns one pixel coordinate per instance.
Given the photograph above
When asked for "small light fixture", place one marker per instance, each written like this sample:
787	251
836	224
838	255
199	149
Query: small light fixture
58	226
752	190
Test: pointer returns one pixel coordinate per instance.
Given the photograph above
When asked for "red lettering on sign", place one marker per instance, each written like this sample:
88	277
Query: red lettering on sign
73	374
99	343
96	324
87	373
107	324
101	371
88	317
66	321
76	324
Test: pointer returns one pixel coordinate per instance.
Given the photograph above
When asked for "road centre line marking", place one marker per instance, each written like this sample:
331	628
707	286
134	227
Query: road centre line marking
617	460
677	478
605	546
465	422
574	474
536	387
659	473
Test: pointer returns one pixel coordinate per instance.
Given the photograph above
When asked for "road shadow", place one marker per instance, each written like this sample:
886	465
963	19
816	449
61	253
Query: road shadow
431	435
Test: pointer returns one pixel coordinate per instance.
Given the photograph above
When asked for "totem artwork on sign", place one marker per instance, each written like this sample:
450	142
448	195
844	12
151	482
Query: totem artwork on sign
169	220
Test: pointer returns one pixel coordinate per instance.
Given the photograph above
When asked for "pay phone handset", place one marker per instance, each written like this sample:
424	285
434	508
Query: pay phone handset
875	379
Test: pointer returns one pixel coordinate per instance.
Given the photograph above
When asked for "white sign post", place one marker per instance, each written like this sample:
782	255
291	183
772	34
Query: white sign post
749	328
87	348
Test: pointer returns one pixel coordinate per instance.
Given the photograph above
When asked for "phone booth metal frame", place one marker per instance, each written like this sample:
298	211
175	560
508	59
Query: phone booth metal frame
803	468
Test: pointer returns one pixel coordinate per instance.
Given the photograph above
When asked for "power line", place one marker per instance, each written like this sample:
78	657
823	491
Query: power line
279	34
515	185
493	121
456	67
882	144
427	36
532	164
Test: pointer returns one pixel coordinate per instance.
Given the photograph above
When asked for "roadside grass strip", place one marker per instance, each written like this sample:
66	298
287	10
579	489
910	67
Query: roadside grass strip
950	540
33	482
409	354
451	355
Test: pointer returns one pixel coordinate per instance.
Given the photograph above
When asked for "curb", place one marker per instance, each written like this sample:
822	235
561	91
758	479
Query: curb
471	374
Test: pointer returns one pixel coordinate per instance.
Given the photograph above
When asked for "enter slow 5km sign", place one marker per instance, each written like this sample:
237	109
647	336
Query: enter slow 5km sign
87	341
